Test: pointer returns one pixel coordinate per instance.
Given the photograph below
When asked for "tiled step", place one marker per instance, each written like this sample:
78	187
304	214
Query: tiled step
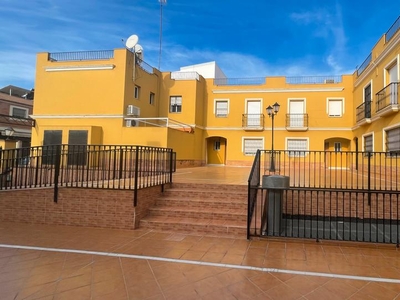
201	203
200	213
196	226
200	209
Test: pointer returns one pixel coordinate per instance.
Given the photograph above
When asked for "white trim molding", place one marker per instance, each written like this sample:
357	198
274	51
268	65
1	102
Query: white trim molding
79	68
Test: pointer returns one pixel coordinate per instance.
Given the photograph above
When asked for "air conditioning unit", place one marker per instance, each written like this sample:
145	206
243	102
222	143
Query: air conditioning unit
329	81
131	123
132	110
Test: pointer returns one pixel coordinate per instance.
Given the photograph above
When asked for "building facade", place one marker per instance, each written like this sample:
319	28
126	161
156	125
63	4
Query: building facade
113	97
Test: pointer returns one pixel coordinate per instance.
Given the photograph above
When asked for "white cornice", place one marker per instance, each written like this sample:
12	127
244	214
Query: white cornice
79	68
76	116
245	91
372	64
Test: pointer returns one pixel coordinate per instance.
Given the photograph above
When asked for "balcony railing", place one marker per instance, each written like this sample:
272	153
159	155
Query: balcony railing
392	30
387	96
240	81
253	121
81	55
313	79
297	121
363	111
364	65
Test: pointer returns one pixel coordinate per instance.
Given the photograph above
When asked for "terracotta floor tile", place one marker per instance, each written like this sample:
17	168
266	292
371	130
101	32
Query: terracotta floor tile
193	255
174	253
187	292
276	253
144	290
283	292
110	288
303	284
253	260
234	259
340	288
378	291
244	290
278	263
70	283
207	285
213	257
265	281
79	293
221	294
36	292
256	251
323	293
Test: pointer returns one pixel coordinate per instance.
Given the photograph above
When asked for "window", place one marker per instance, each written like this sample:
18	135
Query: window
368	143
335	107
137	92
250	146
18	112
221	108
175	104
297	147
367	101
338	146
217	145
393	140
151	99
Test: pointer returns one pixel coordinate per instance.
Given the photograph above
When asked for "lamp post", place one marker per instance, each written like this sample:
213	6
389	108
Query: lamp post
272	111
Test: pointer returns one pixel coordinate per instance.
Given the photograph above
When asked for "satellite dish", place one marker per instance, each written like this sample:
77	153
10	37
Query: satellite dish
132	41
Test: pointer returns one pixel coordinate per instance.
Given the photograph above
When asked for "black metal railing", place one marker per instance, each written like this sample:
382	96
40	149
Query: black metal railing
81	55
294	121
349	196
86	166
392	30
314	79
363	111
253	121
364	65
253	184
240	81
387	96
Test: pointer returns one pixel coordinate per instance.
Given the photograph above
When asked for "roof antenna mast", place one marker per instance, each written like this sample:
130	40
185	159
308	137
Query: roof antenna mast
162	2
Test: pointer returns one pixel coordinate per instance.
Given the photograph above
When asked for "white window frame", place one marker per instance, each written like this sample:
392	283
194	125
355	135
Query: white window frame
296	152
251	138
215	108
136	92
384	137
364	136
173	108
19	107
388	66
336	100
372	92
152	98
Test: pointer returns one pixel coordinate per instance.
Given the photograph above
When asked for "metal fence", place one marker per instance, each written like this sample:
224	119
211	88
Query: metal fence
347	196
86	166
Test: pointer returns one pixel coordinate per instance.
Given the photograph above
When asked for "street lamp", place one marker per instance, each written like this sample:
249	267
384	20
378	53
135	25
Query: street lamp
272	111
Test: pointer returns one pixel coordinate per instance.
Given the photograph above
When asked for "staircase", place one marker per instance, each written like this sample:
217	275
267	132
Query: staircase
206	209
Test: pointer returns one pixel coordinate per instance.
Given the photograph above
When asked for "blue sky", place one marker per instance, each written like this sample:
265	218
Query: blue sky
253	38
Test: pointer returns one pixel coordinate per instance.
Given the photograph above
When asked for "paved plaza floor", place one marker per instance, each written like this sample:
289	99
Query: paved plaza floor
61	262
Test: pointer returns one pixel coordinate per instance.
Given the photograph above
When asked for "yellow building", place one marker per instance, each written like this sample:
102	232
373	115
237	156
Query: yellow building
113	97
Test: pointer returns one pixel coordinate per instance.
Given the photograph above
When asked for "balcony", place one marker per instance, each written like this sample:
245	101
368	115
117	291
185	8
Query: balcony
296	122
388	100
363	113
253	121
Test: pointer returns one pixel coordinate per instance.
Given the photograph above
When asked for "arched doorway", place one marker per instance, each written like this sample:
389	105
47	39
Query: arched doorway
216	150
337	153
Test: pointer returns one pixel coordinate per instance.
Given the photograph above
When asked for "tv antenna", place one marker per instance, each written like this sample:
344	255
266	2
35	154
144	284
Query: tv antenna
162	2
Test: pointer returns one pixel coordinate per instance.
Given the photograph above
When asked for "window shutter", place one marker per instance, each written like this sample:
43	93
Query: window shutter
393	140
335	108
252	145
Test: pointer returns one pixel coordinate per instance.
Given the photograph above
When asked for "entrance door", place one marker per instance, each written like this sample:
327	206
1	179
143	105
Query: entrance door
216	147
393	77
77	142
254	113
296	113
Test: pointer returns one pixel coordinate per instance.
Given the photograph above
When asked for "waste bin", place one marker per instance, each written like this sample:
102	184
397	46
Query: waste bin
275	185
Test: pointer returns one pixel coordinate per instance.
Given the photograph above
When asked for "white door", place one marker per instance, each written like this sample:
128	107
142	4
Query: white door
254	113
296	113
393	77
